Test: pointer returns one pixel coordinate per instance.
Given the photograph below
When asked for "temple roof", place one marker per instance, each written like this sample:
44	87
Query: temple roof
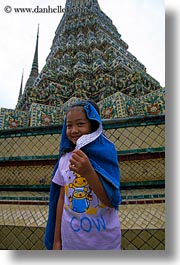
71	5
88	59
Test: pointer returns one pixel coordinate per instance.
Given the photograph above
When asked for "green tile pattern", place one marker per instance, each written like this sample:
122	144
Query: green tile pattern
33	145
22	227
143	239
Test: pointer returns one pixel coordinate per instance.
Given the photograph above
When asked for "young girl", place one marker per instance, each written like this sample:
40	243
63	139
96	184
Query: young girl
89	179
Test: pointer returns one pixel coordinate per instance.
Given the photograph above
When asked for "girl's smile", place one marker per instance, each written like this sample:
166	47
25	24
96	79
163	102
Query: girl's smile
77	124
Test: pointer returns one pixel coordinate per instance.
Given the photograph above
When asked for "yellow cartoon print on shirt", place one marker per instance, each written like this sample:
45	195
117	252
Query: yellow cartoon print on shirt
80	197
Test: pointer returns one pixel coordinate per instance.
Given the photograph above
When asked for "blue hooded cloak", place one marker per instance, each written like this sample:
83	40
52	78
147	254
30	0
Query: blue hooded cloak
103	157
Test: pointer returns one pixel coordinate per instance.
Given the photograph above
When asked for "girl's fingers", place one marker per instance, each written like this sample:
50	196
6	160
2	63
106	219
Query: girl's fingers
79	153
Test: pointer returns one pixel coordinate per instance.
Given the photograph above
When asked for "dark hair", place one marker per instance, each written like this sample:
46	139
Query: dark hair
83	103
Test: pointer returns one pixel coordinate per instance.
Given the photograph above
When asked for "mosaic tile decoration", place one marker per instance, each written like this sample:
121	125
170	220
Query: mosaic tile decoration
43	115
11	119
89	61
5	110
122	105
119	105
153	103
1	121
68	103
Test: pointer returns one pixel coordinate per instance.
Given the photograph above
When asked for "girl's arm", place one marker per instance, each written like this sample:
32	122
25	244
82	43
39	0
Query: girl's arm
57	245
80	164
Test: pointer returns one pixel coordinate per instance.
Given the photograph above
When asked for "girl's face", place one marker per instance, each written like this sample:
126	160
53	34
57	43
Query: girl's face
77	124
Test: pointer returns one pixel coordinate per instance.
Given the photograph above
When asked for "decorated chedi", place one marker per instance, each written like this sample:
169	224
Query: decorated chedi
88	59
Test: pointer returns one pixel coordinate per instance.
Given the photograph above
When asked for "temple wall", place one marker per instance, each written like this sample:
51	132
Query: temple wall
137	135
40	175
27	156
27	159
31	238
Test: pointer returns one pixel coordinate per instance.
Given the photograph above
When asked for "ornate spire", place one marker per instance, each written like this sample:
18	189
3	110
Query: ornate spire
73	6
23	98
34	69
21	86
20	92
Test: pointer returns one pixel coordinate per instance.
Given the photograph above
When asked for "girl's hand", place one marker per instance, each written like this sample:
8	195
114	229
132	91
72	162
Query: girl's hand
80	163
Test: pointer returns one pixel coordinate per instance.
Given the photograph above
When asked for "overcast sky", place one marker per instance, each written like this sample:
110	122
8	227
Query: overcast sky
141	24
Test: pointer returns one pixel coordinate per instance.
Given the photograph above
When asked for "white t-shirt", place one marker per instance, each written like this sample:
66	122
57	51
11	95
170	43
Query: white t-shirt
86	223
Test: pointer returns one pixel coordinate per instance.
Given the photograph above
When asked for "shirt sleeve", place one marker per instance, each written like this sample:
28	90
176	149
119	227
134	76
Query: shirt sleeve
58	178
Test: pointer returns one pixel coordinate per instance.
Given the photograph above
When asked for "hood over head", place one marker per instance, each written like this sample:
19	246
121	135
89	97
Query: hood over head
92	114
100	151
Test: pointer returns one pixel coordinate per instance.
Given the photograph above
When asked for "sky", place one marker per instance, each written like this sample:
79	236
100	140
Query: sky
141	24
